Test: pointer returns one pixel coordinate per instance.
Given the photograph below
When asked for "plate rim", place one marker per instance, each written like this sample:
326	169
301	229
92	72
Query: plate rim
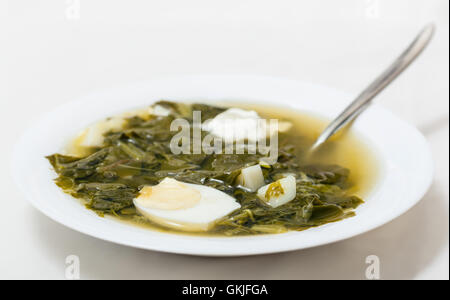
18	149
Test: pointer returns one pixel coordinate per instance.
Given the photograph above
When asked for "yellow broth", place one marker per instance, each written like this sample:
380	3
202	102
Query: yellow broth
347	149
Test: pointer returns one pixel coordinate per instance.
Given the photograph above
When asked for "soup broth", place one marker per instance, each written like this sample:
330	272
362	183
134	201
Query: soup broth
337	176
347	148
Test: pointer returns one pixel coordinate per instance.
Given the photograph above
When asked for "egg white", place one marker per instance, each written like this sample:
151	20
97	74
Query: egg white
213	205
289	192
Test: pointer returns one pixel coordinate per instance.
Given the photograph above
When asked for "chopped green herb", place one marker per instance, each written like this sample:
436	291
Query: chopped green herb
274	190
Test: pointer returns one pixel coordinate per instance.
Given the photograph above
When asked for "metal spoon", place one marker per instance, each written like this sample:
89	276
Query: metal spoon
364	99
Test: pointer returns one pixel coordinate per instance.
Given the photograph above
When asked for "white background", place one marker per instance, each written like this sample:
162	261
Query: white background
49	55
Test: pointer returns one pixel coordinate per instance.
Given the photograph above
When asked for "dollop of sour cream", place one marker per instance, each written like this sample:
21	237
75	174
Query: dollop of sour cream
236	124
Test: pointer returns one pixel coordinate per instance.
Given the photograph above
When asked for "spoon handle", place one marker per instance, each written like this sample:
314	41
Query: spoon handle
364	99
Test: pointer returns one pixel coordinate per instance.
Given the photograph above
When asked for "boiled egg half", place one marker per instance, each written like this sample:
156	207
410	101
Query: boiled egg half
184	206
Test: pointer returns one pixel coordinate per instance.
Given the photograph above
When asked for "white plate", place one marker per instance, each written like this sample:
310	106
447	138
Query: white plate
403	151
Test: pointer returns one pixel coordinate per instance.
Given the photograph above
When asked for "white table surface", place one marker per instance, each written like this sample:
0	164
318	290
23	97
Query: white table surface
49	56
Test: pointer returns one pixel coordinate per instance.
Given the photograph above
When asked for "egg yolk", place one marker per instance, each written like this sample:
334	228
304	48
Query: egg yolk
169	194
